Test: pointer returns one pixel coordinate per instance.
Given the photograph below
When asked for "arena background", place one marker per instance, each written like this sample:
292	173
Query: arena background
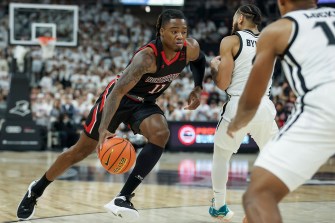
44	102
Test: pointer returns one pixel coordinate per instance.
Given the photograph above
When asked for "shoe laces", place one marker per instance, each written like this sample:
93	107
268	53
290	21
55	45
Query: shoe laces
31	200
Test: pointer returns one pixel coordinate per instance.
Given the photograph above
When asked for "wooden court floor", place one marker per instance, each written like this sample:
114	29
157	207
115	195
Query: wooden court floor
178	190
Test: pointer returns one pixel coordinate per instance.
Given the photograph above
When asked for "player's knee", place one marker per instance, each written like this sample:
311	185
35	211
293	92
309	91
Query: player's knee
160	137
247	198
257	192
251	197
163	135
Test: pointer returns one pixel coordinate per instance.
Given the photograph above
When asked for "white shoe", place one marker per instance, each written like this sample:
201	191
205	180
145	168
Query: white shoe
122	208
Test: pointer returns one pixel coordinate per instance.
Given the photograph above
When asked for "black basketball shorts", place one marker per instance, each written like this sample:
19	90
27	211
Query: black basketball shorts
130	112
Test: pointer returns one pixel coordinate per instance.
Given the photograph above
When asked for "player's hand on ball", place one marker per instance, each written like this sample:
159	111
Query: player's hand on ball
103	136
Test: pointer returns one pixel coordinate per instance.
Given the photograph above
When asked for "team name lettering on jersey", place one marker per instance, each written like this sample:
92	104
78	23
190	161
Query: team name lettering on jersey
159	80
320	14
251	43
316	26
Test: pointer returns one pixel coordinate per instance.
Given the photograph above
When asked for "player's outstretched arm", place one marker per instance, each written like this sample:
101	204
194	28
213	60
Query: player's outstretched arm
143	62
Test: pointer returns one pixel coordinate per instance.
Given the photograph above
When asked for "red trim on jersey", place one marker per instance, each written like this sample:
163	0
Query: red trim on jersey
94	119
171	61
153	46
102	104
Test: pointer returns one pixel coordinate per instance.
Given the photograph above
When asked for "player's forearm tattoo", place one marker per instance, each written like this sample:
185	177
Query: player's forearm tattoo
133	73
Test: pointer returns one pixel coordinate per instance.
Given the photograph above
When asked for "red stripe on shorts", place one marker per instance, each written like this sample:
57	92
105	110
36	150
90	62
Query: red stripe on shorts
94	119
102	104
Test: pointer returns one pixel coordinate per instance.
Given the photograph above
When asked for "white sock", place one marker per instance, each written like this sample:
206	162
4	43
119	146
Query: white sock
220	170
219	199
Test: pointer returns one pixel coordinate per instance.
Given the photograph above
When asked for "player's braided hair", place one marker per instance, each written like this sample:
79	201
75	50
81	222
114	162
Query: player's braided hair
251	12
165	17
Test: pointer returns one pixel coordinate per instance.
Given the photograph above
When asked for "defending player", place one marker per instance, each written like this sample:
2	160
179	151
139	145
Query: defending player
230	72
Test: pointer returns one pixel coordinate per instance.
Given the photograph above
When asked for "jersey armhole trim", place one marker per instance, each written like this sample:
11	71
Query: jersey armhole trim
241	46
295	29
153	47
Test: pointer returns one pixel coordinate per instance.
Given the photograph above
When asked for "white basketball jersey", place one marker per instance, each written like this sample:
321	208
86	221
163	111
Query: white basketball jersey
243	62
309	60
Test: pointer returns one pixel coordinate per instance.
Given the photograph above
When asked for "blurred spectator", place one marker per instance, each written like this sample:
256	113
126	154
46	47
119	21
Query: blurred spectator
223	29
46	82
276	89
178	113
41	110
281	116
67	107
67	131
208	84
55	111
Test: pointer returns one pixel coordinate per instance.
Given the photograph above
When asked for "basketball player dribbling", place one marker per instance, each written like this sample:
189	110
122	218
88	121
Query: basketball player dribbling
304	40
131	100
230	72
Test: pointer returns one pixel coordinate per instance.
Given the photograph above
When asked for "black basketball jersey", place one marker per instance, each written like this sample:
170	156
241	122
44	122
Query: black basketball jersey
152	85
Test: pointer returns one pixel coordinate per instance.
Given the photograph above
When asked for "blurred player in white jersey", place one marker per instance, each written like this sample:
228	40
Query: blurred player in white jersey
230	73
304	39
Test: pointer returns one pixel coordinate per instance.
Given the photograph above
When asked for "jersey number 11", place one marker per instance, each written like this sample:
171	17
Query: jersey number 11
327	30
157	88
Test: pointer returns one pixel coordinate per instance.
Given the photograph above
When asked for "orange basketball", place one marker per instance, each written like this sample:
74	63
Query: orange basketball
117	155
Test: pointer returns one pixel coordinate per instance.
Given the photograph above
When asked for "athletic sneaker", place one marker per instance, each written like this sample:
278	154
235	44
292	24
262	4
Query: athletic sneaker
122	208
26	208
223	214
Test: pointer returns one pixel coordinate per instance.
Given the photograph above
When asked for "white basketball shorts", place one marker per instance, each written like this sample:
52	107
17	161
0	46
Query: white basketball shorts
261	128
306	141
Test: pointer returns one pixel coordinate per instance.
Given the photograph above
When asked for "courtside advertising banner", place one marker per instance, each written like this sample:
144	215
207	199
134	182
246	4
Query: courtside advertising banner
199	136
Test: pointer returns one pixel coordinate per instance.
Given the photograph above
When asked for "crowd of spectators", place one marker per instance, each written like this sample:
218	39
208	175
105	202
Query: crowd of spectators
65	87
